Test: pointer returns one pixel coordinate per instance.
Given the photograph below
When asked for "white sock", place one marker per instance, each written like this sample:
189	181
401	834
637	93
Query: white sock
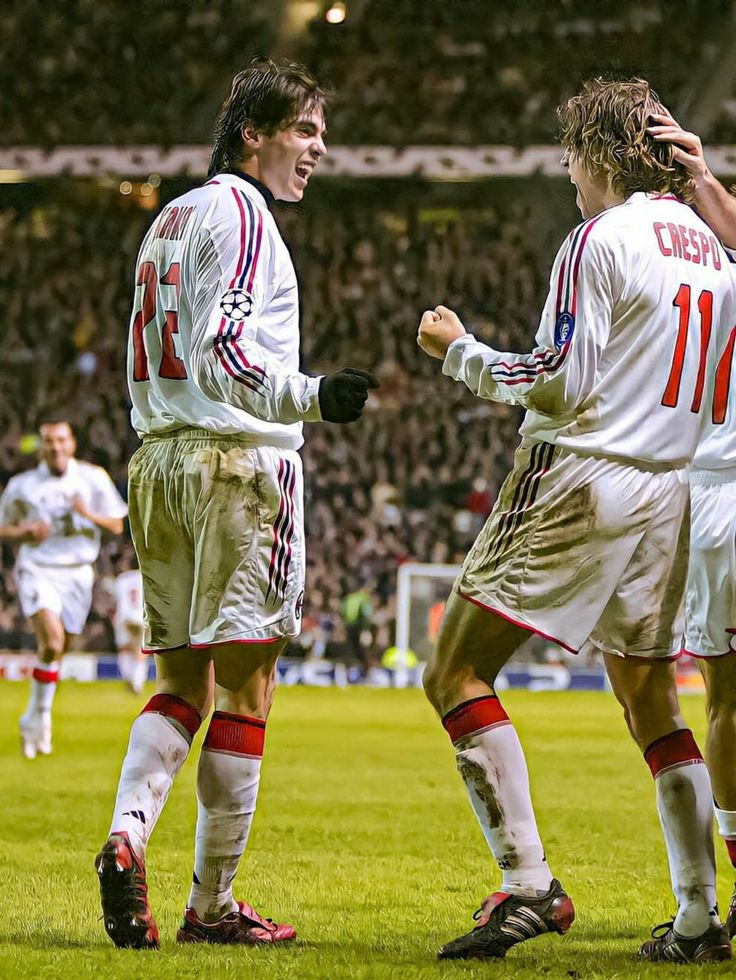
684	802
44	682
726	820
492	764
138	673
124	666
227	789
160	740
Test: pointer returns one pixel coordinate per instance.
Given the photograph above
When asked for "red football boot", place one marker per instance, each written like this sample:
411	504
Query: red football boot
124	893
245	927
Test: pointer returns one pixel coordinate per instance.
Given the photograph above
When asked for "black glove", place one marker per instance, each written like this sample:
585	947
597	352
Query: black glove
343	395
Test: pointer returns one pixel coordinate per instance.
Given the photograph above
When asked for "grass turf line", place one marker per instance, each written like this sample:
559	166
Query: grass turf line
363	839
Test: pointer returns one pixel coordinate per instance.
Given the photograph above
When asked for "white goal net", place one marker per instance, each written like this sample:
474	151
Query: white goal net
422	591
421	594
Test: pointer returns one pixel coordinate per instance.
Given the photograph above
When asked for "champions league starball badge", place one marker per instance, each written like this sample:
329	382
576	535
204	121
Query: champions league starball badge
236	304
564	329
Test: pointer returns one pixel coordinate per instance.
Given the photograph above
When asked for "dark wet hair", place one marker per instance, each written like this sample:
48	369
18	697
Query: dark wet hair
268	95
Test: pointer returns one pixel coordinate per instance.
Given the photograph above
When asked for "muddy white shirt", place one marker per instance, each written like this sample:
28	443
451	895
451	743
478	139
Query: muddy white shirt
641	303
38	495
214	336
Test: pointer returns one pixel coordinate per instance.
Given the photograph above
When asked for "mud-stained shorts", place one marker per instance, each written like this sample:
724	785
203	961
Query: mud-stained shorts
218	527
65	590
710	598
582	549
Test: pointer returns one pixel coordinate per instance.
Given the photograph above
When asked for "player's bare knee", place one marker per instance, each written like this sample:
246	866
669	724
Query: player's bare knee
51	648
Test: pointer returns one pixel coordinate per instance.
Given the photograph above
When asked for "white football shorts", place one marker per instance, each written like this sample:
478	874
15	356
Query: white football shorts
128	632
710	600
583	549
65	590
218	526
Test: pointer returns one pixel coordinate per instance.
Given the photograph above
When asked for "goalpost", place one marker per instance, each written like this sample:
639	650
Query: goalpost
421	593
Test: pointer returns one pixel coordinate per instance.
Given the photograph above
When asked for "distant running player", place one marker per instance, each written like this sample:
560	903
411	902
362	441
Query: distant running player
128	620
711	586
588	539
56	513
215	494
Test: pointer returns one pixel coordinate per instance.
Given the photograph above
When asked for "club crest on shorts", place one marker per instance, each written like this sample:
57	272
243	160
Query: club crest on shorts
564	329
236	304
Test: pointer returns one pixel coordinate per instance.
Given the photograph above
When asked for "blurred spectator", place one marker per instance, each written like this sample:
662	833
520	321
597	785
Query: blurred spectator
413	481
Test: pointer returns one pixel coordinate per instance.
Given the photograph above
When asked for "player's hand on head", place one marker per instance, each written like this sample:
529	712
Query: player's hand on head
438	328
343	395
687	147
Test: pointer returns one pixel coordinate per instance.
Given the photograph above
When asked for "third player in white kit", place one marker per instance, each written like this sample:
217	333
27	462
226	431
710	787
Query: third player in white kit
588	539
56	514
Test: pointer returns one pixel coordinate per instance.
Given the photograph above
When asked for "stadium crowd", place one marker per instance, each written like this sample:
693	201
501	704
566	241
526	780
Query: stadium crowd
413	480
473	78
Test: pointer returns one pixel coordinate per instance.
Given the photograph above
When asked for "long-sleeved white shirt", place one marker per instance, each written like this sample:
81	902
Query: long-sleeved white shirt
214	335
641	302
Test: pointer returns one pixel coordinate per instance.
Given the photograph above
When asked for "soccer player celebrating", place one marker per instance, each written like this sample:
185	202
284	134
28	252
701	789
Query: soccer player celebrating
588	539
216	496
711	585
56	513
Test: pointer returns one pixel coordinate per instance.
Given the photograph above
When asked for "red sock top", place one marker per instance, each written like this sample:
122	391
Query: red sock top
176	708
676	749
236	735
476	715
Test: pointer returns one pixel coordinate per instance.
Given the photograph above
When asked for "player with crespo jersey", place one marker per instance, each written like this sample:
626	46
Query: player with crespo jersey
710	609
588	539
56	513
216	496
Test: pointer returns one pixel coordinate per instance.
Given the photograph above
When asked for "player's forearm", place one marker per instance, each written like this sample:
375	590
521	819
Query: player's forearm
717	207
113	525
12	533
267	395
471	362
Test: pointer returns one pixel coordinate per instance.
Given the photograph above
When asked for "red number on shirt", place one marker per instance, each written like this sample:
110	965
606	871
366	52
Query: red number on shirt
705	308
171	366
723	381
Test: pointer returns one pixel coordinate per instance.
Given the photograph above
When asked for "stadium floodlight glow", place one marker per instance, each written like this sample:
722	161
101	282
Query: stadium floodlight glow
12	176
336	14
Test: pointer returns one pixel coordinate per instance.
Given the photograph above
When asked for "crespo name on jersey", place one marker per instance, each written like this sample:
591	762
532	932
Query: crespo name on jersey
236	304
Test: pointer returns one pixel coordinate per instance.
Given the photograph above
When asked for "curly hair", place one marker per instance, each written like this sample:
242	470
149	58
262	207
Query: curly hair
268	95
605	127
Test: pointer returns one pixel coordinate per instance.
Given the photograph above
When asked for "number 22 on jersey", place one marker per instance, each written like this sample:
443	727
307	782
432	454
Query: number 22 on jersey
171	365
682	302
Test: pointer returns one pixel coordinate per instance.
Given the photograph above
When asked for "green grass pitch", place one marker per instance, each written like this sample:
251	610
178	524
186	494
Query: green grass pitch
363	839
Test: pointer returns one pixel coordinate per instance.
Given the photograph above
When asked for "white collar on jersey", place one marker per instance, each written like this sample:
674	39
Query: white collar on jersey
71	469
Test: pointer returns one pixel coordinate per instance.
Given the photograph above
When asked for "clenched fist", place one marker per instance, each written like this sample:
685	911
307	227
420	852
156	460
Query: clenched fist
438	328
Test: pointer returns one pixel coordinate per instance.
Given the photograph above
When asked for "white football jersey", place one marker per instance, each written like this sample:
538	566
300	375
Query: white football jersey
214	334
717	444
128	593
641	301
38	495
